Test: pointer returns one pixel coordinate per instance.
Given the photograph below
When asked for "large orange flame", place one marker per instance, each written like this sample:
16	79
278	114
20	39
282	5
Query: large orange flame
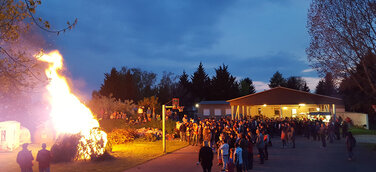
68	114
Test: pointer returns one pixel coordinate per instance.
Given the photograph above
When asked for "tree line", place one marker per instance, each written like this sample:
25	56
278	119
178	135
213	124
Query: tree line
136	84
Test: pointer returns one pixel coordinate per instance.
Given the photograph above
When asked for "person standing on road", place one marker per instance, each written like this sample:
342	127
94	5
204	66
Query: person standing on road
266	141
224	149
44	158
350	144
291	135
238	158
322	133
283	135
260	145
205	157
25	159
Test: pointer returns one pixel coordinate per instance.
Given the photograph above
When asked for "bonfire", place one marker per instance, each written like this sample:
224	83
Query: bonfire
79	136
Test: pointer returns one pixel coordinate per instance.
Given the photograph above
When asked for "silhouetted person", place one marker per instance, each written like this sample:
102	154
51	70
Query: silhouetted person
205	157
25	159
350	144
44	159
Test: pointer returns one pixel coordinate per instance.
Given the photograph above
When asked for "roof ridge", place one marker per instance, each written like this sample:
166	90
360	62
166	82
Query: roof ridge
279	87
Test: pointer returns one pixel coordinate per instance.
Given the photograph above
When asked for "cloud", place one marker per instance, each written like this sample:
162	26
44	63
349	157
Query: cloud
260	86
312	82
308	70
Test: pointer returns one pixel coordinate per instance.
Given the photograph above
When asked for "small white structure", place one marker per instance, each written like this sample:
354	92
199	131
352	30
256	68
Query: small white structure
358	119
12	135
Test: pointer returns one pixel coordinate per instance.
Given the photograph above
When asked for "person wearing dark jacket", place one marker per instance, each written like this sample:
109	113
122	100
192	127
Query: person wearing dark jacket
350	144
25	159
205	157
44	159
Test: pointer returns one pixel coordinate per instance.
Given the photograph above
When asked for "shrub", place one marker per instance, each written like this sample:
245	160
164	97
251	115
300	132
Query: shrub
65	148
121	136
111	124
170	125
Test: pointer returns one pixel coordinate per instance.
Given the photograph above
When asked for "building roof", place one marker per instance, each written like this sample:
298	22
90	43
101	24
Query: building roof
282	95
218	102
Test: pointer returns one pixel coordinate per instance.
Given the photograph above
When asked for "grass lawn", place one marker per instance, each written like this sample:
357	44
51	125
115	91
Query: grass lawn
127	156
361	131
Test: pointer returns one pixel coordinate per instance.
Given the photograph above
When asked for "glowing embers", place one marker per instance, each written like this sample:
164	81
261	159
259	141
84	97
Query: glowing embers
92	145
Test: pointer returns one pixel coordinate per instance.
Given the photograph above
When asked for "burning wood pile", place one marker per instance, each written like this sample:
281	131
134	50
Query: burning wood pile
79	136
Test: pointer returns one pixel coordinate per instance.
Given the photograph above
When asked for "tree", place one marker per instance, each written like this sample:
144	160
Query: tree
355	99
145	82
184	92
150	102
166	87
320	88
342	32
327	86
305	87
104	106
17	61
277	80
297	83
246	87
200	84
223	85
119	84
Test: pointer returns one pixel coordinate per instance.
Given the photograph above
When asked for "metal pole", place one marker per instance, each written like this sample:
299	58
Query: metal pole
164	128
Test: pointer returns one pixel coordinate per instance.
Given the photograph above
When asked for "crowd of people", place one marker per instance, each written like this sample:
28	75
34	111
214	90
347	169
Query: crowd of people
234	141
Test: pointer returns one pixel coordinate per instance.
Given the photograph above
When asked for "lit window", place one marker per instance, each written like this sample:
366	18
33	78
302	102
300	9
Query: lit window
228	111
217	112
293	111
206	112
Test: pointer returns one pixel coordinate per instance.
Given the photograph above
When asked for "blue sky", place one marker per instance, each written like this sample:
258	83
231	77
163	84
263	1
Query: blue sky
255	38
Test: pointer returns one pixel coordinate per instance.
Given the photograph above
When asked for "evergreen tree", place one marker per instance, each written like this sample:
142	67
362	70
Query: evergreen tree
305	87
246	87
223	85
320	88
119	84
184	90
110	84
326	86
277	80
200	84
166	87
297	83
293	82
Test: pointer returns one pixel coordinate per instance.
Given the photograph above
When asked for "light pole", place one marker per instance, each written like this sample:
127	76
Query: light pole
164	126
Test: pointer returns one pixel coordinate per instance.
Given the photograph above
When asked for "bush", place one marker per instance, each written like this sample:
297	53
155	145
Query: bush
170	125
121	136
65	148
111	124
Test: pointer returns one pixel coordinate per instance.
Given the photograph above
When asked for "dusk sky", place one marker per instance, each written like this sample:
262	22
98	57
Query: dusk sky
255	38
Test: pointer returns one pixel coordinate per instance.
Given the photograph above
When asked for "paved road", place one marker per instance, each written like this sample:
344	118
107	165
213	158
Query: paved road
308	156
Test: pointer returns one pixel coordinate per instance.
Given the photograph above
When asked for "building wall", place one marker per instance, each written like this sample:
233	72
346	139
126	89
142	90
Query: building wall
285	110
359	119
212	108
282	110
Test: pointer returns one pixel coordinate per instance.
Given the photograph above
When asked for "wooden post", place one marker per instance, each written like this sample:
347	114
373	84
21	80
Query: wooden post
243	114
164	128
237	112
232	113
